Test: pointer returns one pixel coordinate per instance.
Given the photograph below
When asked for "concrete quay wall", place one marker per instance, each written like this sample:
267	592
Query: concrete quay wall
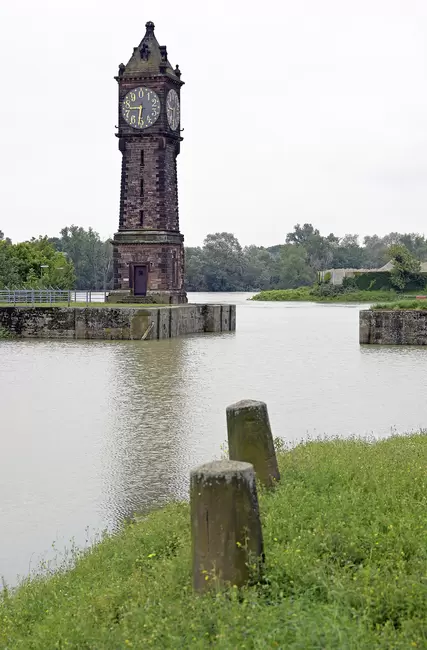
115	323
393	327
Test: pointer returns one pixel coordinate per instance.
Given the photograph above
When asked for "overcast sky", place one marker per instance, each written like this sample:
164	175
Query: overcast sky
294	111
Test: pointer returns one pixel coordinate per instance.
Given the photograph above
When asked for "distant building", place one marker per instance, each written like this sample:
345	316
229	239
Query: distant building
338	275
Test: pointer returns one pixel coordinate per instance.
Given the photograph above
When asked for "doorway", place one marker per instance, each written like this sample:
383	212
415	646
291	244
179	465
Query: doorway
140	277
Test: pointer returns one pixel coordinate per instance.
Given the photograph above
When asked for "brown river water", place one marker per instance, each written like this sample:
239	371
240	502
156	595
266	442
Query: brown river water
91	432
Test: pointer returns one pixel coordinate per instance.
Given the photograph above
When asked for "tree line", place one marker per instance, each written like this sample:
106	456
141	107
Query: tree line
222	264
79	258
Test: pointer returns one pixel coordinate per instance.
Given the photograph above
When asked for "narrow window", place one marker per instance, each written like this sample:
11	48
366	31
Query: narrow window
142	157
142	188
141	217
174	272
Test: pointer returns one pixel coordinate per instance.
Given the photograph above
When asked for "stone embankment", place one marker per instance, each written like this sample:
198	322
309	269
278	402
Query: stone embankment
393	326
115	323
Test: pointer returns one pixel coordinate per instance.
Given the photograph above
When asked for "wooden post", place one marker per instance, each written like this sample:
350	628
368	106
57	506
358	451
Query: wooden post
250	439
225	524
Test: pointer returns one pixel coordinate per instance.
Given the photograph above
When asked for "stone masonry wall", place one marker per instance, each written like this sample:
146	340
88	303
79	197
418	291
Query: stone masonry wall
149	189
159	257
109	323
393	327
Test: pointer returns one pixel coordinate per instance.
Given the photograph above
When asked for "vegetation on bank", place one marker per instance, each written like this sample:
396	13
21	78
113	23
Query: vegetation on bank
402	304
345	537
313	294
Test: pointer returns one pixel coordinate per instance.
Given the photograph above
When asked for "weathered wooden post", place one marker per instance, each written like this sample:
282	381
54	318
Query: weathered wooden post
225	524
250	439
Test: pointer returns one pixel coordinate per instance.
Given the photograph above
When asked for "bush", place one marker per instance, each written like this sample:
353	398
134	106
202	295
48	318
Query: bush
327	290
350	283
382	281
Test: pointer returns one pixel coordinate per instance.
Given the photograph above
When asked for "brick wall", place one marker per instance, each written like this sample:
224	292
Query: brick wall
149	196
161	259
150	160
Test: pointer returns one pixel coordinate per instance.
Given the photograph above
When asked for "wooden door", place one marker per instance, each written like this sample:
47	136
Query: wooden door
140	276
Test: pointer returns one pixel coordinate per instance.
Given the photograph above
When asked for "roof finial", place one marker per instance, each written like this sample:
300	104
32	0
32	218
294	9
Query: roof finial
150	28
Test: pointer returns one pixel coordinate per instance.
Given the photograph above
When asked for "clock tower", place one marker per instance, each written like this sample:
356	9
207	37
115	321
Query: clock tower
148	249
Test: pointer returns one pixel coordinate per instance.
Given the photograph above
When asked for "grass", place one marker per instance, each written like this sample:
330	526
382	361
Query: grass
90	305
402	304
345	537
306	294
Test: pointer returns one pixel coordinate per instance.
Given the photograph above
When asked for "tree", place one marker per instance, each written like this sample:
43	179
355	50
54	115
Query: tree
348	254
2	237
319	249
92	258
34	264
194	269
406	267
261	269
295	270
416	244
224	262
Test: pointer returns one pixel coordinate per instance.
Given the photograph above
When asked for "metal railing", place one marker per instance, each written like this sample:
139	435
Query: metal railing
50	296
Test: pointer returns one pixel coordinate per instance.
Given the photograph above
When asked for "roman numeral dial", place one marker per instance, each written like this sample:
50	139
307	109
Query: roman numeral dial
172	109
141	107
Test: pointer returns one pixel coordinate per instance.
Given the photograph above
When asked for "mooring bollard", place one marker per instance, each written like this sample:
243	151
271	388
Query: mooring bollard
250	439
225	524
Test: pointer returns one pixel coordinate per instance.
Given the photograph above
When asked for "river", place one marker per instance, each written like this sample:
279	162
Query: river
93	431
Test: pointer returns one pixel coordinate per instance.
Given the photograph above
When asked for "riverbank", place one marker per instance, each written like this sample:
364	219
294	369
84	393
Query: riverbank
402	304
310	294
345	542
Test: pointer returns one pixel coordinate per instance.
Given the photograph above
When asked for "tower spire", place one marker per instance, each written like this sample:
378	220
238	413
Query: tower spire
149	58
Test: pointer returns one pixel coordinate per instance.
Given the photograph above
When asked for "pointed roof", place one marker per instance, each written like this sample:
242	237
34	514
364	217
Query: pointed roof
149	58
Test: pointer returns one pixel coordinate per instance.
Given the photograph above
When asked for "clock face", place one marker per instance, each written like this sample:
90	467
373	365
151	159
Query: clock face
141	107
172	109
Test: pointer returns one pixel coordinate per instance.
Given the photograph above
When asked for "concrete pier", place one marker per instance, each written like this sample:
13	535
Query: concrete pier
116	323
393	326
225	524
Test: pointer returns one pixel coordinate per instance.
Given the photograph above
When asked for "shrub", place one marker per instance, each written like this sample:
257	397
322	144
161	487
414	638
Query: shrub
350	283
328	290
382	281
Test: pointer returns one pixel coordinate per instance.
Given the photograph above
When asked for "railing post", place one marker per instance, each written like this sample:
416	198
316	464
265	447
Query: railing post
225	524
250	439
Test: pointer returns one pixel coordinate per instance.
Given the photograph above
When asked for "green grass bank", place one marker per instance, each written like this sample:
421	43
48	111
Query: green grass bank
311	294
346	567
402	304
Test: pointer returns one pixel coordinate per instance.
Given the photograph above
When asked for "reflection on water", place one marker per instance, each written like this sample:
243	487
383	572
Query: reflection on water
93	431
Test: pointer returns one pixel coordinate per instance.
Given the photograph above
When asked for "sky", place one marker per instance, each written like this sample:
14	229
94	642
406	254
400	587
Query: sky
309	111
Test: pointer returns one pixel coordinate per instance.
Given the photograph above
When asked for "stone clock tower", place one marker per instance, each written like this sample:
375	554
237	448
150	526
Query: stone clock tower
148	249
